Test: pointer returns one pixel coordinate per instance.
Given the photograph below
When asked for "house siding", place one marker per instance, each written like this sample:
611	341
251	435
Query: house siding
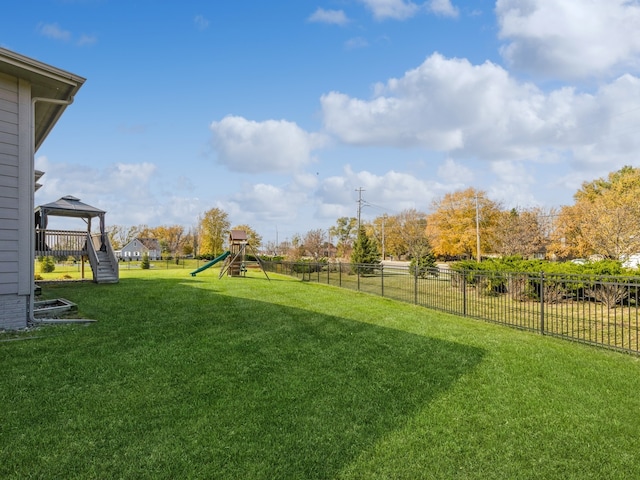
135	249
14	306
15	311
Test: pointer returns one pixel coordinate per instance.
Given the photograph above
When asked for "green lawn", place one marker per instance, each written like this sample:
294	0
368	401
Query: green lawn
195	377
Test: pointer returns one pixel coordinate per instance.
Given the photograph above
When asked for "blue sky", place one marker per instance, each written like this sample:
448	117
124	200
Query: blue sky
276	112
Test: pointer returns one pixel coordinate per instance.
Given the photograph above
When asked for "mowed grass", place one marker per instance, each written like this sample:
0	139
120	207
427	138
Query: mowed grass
196	377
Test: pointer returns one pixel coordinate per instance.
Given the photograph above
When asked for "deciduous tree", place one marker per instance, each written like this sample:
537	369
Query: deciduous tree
314	243
170	237
605	219
452	226
412	229
213	229
253	238
295	250
387	233
345	231
521	232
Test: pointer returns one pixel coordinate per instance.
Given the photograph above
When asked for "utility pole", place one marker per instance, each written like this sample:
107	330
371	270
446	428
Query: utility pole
384	217
477	230
359	190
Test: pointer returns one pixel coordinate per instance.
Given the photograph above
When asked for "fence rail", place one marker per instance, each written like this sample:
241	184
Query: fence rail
597	310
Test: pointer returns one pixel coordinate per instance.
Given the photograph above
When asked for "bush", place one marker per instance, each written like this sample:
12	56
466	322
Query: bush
47	264
144	263
269	258
423	266
307	266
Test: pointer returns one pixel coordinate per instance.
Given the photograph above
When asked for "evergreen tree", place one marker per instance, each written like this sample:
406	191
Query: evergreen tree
47	264
365	250
424	265
144	263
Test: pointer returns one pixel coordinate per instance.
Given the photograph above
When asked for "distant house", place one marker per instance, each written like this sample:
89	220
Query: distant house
33	96
136	248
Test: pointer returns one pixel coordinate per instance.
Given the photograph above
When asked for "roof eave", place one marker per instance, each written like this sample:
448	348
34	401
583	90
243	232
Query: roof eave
46	82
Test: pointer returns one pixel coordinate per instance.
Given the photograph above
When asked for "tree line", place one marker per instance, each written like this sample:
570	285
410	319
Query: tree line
604	221
206	239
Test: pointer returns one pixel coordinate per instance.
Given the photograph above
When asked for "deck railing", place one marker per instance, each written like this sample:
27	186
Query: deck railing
598	310
60	243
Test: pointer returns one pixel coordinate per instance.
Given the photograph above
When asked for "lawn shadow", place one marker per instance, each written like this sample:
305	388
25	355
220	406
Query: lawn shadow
243	387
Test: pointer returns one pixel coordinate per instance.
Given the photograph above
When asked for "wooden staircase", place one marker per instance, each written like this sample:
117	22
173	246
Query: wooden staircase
106	272
104	263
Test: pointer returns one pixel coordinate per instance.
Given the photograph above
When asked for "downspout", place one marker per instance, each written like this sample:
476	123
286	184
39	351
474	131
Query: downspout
32	145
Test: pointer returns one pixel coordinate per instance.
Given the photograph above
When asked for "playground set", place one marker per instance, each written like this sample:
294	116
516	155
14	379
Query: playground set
235	258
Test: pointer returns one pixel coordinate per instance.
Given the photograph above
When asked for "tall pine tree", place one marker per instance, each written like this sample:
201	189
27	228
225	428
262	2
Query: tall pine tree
365	250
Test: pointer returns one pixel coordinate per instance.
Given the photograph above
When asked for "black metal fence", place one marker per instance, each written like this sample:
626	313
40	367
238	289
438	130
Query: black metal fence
598	310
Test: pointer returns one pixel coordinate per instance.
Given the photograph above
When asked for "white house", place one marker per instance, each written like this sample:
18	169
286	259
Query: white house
136	248
33	96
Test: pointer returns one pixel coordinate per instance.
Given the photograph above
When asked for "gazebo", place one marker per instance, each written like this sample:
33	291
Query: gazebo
63	243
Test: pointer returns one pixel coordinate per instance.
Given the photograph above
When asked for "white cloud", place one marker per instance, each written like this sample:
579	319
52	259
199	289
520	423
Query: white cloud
394	9
53	30
124	190
444	104
124	180
455	173
512	185
355	43
443	8
86	40
480	111
256	147
334	17
570	38
56	32
389	193
305	181
264	205
201	22
511	172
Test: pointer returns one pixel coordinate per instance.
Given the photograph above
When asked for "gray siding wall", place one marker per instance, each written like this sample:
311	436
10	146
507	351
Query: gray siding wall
13	312
13	306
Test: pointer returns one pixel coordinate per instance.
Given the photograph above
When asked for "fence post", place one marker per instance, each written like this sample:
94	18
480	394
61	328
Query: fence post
381	280
542	303
318	269
464	293
358	274
339	274
415	286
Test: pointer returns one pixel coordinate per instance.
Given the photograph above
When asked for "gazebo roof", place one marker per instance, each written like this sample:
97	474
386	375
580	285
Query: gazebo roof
70	206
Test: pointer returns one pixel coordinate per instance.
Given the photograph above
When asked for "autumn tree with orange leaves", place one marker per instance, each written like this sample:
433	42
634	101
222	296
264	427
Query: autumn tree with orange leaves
457	219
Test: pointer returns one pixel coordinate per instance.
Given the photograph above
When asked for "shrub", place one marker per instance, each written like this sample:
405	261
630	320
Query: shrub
423	266
308	266
144	263
47	264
